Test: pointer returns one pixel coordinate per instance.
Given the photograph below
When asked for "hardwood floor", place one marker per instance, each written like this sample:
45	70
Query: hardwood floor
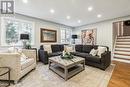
121	75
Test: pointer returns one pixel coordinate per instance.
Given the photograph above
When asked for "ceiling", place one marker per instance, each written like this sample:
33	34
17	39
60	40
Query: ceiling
76	9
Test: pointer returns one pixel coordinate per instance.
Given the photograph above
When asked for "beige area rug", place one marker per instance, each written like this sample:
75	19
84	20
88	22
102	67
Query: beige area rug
43	77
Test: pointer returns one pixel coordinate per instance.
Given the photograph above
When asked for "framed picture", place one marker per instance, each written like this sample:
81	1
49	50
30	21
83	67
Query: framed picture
48	35
89	36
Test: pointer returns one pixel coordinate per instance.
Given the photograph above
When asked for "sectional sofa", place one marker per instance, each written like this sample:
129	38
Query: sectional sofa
80	50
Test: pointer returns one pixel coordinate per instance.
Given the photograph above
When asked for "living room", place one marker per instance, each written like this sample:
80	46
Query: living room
69	43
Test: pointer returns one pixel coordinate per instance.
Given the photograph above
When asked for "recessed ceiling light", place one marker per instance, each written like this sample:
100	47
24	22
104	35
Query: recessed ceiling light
79	21
25	1
90	8
52	11
99	15
68	17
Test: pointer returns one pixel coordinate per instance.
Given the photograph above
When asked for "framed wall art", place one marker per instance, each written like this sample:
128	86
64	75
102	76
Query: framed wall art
89	36
48	35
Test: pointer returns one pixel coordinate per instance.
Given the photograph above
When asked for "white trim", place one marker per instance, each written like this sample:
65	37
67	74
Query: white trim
114	48
118	29
66	42
122	30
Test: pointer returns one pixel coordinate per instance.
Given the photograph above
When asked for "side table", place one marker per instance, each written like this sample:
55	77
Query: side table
4	71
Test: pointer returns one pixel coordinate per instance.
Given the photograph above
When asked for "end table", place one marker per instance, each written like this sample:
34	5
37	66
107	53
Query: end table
4	71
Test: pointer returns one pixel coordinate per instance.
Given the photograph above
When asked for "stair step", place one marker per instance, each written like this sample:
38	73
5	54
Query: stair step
123	37
122	52
122	56
122	47
123	40
122	43
127	49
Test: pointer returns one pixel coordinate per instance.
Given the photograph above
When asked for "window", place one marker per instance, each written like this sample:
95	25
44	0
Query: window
12	28
66	35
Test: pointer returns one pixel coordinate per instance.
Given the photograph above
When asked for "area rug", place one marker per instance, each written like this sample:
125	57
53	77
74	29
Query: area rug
43	77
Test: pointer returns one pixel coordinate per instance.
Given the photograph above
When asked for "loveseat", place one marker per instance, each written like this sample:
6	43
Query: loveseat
56	50
96	61
18	68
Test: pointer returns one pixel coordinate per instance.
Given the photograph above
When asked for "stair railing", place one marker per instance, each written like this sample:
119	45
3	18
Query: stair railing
114	47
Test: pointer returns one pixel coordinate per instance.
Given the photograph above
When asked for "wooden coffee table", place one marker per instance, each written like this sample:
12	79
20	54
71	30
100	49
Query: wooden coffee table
66	68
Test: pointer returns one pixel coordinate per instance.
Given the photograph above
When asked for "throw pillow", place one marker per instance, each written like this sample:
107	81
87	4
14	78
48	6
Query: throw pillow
20	51
69	48
47	48
101	50
93	52
23	57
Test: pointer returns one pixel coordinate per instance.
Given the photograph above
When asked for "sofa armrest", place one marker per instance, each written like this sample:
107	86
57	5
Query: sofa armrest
30	53
106	58
11	60
43	56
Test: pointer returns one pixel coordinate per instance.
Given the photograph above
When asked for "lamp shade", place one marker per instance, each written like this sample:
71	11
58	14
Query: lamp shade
74	36
24	36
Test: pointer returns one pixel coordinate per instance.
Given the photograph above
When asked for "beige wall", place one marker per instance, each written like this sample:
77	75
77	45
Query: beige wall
104	31
41	24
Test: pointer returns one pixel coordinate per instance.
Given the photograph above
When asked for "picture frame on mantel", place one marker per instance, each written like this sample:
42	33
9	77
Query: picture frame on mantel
48	35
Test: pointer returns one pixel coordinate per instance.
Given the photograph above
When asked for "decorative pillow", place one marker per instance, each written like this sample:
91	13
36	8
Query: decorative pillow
23	57
93	52
69	48
20	51
101	50
47	48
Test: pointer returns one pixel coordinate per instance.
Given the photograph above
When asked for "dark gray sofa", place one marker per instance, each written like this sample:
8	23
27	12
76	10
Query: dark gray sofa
84	50
57	50
80	50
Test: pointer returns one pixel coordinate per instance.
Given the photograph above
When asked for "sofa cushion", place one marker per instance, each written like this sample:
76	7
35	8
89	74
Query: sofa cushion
93	52
47	48
57	48
79	48
87	48
61	48
101	50
84	55
54	54
23	57
26	63
93	59
74	53
95	46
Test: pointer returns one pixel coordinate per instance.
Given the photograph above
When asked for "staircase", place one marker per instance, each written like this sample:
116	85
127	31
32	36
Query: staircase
122	48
